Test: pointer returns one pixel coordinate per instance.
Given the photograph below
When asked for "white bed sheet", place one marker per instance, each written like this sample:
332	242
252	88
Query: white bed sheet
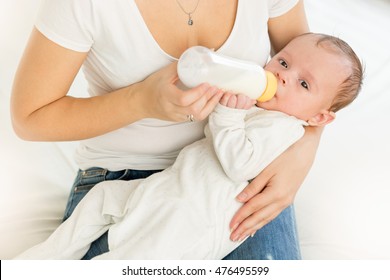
343	206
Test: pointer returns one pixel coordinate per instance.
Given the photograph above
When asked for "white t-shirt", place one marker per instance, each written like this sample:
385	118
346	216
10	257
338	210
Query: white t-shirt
122	51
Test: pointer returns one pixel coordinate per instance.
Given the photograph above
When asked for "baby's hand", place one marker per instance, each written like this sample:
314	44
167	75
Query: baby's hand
237	101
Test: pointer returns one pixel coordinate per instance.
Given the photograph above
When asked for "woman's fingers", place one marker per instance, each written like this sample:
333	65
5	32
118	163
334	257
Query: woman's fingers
204	98
257	211
255	222
254	187
205	104
251	203
189	97
210	105
167	99
256	203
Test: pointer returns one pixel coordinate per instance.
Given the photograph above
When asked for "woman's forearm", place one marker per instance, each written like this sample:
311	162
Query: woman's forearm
303	154
311	140
70	118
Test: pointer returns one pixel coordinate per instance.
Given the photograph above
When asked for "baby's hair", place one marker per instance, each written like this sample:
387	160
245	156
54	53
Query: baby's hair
351	86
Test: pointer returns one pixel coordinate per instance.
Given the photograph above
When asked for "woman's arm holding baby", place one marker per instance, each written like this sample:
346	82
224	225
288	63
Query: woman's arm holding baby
268	195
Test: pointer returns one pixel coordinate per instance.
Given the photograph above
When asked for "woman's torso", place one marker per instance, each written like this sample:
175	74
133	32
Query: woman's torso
132	39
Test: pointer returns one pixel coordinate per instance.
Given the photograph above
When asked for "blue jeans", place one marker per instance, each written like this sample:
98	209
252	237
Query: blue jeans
277	240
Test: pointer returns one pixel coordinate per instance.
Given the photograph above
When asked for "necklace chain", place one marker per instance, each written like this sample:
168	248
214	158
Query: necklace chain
190	21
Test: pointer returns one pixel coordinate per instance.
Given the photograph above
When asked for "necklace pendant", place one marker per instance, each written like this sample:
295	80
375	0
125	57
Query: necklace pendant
190	21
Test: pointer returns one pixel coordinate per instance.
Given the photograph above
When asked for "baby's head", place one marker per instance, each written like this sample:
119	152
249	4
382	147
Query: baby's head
317	76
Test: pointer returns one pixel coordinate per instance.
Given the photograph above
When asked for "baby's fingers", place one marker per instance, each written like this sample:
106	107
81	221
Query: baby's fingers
225	99
244	102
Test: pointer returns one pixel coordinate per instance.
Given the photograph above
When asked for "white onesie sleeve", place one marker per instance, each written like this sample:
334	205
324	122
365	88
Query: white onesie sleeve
246	145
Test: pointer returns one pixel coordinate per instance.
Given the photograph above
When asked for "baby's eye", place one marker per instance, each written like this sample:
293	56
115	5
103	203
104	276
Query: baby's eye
304	84
283	63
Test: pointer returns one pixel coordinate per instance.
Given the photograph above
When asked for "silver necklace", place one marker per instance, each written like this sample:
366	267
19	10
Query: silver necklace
190	21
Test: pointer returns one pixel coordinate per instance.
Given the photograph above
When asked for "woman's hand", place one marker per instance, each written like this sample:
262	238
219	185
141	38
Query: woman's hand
161	97
275	187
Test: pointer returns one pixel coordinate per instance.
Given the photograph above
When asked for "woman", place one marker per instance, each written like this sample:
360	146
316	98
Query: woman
137	119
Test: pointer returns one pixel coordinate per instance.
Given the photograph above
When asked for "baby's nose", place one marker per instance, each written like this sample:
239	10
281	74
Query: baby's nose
283	80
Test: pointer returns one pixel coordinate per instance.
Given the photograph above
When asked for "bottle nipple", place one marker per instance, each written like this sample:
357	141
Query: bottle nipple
270	89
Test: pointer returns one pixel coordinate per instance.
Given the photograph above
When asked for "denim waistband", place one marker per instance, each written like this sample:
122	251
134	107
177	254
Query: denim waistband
105	174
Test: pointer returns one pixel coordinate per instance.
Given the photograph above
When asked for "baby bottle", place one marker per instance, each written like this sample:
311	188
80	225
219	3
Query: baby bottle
199	64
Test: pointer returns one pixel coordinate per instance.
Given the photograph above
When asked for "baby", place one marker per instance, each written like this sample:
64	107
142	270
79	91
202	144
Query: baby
184	211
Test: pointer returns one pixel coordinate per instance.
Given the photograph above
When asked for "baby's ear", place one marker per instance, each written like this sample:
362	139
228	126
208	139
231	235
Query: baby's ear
322	118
